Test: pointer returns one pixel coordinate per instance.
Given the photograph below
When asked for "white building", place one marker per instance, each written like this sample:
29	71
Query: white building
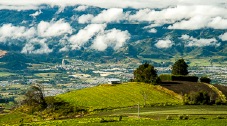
114	81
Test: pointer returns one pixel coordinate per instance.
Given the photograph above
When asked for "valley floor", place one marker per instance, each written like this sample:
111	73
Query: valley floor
199	115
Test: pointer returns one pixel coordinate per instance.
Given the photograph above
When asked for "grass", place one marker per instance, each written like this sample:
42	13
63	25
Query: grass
134	122
118	96
197	115
46	75
161	112
17	118
220	94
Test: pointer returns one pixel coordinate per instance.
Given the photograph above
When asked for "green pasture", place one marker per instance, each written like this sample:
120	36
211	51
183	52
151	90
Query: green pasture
121	95
161	112
46	75
134	122
156	116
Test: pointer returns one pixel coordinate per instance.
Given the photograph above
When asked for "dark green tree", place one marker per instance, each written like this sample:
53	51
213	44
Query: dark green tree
35	97
205	80
145	73
180	68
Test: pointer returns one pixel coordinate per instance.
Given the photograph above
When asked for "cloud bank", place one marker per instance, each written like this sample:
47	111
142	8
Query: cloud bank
191	41
106	16
30	48
101	38
223	37
8	31
53	29
110	38
84	35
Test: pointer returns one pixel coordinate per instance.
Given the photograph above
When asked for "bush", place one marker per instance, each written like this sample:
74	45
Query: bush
197	98
168	117
165	77
183	117
57	105
184	78
219	101
205	80
157	81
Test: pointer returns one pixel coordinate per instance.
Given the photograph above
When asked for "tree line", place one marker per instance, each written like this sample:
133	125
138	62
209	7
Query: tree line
148	74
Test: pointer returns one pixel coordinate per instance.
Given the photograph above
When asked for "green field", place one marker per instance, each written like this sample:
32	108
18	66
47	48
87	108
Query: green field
135	122
122	95
199	115
46	75
6	74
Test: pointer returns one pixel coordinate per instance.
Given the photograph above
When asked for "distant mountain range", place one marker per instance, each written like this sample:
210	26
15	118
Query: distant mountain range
93	33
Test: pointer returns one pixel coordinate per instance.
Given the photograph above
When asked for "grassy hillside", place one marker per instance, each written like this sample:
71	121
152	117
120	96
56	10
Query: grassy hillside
122	95
184	87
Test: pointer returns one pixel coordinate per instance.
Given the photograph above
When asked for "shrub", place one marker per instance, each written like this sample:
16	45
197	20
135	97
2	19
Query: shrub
197	98
57	105
168	117
220	117
157	81
183	117
120	118
205	80
219	101
184	78
165	77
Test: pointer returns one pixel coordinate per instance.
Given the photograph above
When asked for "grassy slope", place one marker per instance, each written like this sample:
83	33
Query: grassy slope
222	88
123	95
183	87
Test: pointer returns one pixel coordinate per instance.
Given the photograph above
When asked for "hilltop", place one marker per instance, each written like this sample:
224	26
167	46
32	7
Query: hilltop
121	95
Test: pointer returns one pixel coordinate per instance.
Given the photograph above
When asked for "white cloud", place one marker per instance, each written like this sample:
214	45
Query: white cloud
223	37
218	23
29	47
27	4
37	13
196	22
53	29
110	15
106	16
81	8
111	38
8	31
164	44
153	30
183	17
85	18
84	35
191	41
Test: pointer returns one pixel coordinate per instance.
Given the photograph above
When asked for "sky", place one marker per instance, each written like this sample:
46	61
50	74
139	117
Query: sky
178	14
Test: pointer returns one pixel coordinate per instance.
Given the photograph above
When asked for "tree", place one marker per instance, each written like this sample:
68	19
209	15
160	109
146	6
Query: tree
180	67
35	97
145	73
205	80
